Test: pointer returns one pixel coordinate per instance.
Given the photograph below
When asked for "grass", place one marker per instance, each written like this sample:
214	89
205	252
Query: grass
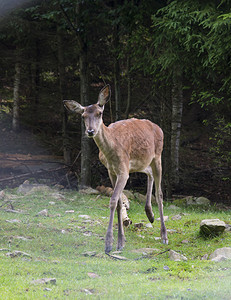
57	244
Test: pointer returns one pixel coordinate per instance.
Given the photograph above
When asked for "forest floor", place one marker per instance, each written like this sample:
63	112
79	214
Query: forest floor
52	246
23	153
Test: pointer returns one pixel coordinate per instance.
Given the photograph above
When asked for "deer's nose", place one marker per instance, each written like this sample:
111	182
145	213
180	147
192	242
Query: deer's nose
90	132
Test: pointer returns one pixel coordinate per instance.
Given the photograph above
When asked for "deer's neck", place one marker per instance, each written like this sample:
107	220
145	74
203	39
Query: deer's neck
104	140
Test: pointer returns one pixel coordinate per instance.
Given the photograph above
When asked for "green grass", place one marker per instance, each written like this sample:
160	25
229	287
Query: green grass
57	243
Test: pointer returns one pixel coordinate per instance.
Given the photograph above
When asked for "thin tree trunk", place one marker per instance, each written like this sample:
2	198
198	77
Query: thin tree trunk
66	146
177	108
165	123
15	120
85	141
117	74
129	87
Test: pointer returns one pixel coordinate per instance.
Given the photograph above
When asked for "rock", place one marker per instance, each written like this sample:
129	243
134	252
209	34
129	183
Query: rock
227	227
129	194
18	253
140	197
22	238
139	225
89	253
27	187
173	255
2	195
212	227
43	212
92	275
89	191
202	201
145	250
84	216
57	196
165	218
185	242
44	281
52	203
173	207
118	257
224	252
205	257
87	291
176	218
13	221
219	258
69	211
149	225
192	201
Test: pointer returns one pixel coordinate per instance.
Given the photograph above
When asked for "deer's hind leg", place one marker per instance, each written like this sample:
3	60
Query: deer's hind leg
157	173
148	205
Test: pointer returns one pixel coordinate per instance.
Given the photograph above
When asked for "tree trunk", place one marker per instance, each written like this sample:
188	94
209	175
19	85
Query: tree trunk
85	141
117	74
15	120
129	87
66	145
85	177
165	123
177	108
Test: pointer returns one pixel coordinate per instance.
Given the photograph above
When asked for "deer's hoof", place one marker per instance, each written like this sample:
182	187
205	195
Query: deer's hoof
108	249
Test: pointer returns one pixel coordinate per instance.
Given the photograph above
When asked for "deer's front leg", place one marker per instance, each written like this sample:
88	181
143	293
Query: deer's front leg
119	186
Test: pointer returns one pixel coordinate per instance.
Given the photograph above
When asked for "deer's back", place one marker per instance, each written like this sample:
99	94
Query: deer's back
135	140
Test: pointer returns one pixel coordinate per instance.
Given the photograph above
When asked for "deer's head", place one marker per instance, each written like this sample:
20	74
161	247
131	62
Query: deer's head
92	114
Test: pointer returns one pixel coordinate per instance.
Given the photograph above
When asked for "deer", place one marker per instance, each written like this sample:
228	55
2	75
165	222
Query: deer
126	146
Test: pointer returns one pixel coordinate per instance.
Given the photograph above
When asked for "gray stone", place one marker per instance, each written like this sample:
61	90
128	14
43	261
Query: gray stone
43	212
202	201
44	281
165	218
227	227
89	253
139	225
149	225
89	191
13	221
129	194
18	253
173	255
27	187
140	197
173	207
219	258
212	227
84	216
2	195
176	218
205	257
145	250
224	252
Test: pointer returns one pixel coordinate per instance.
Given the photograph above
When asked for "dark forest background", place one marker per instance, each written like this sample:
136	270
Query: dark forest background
167	61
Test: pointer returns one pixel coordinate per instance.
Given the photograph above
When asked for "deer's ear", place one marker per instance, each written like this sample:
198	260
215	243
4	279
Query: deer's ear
73	106
104	95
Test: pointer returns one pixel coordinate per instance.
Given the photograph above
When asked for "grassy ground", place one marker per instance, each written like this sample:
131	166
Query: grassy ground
57	243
